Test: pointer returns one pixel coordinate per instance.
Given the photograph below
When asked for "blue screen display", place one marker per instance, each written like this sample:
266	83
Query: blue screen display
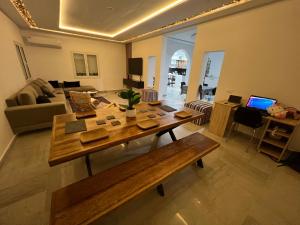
260	103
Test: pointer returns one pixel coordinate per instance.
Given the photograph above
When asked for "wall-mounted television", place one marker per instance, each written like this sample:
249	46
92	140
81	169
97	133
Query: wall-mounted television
135	66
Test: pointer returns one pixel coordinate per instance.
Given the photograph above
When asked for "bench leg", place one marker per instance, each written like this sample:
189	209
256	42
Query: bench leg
160	190
200	163
88	165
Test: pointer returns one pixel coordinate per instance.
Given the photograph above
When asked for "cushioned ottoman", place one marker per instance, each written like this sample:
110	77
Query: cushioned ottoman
203	107
149	95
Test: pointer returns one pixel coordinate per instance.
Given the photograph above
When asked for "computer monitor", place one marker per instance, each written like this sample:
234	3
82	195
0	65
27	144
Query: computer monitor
260	103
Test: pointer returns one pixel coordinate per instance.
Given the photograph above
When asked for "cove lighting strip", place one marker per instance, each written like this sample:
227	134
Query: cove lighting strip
62	25
25	14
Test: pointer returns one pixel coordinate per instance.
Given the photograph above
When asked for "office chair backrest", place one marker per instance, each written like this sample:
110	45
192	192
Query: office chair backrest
248	116
213	91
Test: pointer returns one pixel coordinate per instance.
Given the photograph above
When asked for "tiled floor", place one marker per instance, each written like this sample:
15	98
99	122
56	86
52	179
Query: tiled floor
234	188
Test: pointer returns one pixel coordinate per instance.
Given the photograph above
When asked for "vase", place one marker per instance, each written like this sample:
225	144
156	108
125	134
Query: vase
131	113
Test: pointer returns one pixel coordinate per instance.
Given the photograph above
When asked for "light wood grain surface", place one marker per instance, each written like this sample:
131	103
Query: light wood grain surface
66	147
93	197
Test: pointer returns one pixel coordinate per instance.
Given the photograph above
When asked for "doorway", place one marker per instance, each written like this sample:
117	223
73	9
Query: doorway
177	76
210	74
176	64
151	71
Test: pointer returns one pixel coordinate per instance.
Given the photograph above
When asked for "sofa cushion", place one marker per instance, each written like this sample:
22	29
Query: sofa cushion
42	99
54	83
26	97
68	84
12	100
30	89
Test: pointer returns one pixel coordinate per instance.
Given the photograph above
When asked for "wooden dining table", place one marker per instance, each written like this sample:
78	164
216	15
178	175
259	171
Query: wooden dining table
66	147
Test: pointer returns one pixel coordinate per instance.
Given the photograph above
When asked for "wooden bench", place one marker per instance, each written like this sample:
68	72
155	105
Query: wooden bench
89	199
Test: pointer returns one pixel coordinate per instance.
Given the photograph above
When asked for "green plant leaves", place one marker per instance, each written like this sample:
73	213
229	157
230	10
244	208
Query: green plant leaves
123	94
132	96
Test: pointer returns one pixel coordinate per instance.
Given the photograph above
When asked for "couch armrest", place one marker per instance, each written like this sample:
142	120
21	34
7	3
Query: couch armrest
28	115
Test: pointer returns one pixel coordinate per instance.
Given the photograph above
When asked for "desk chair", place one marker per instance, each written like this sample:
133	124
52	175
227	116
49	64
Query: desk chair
200	90
183	88
248	117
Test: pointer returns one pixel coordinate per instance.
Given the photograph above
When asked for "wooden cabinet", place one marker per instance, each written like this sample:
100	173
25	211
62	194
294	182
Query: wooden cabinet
277	136
221	117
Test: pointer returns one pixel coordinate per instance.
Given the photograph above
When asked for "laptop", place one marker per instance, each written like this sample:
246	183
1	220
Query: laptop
235	99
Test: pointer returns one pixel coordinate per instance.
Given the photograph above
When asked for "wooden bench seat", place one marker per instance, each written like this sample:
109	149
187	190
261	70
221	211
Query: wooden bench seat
89	199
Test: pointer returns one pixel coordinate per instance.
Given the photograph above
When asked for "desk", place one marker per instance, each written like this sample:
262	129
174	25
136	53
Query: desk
221	117
66	147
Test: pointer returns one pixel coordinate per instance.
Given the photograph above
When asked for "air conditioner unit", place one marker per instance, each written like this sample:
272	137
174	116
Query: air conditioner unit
41	41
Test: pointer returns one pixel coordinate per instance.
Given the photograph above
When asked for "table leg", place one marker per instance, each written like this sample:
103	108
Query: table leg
160	190
170	131
88	165
200	163
172	135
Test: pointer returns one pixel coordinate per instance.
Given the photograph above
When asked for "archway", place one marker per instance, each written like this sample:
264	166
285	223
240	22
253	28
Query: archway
178	74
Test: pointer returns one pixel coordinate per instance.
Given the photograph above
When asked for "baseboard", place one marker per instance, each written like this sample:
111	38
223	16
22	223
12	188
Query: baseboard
6	149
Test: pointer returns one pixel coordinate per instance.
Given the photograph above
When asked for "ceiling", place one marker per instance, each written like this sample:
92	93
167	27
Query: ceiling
121	21
187	35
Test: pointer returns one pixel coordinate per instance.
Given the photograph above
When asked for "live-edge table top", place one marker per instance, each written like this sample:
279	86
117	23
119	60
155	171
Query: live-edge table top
66	147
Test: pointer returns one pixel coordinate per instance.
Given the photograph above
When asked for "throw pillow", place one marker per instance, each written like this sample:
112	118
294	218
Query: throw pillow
42	81
54	83
81	101
50	88
42	99
47	92
36	88
38	82
68	84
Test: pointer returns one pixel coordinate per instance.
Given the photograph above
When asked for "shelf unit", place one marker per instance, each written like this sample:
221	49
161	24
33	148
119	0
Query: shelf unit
277	136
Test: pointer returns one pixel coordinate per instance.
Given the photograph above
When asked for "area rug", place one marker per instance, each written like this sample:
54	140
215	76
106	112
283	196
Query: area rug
100	99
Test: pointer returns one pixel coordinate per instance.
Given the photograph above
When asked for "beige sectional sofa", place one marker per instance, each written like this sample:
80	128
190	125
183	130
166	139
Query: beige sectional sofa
23	112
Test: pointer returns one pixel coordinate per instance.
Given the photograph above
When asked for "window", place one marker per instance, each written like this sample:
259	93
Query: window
23	61
85	65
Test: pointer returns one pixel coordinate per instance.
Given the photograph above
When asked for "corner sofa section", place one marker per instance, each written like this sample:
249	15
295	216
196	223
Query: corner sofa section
24	114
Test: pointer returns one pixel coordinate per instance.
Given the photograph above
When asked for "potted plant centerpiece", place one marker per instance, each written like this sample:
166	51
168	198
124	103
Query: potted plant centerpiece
133	99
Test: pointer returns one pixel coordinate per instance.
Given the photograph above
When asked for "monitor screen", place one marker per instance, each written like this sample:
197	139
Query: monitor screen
260	102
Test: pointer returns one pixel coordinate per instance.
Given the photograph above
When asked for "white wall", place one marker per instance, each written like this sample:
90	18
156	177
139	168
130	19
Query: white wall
262	54
146	48
151	71
57	64
11	74
170	47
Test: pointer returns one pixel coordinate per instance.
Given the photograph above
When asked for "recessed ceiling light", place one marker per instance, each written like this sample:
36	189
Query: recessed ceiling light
109	8
62	25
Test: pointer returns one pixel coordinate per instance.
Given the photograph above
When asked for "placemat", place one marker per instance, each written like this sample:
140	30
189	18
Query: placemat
167	108
75	126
